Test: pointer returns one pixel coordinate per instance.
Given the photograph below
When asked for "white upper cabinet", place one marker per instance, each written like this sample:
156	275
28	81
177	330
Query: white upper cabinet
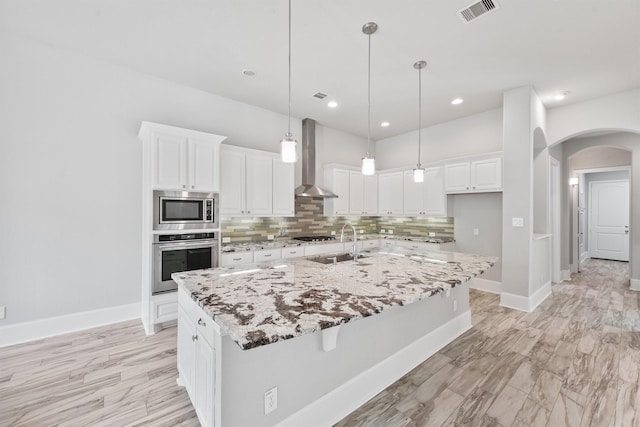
182	159
356	193
390	193
337	181
259	172
255	183
474	176
424	198
283	188
370	194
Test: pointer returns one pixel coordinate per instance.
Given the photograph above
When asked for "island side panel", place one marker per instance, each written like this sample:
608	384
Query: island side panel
303	372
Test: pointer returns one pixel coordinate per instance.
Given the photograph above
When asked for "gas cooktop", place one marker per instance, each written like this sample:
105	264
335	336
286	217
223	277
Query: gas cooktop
314	238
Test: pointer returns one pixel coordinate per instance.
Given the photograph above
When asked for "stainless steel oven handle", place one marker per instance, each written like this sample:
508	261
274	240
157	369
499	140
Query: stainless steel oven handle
178	245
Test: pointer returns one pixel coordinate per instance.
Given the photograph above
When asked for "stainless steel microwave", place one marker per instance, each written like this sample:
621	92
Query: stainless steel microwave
185	210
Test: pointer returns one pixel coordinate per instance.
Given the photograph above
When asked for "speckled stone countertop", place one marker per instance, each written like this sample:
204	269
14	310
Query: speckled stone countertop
283	243
264	303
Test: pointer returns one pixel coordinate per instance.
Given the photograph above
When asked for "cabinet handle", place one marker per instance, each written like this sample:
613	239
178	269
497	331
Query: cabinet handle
193	186
194	338
267	255
248	211
467	188
184	186
292	252
236	259
474	188
241	211
201	323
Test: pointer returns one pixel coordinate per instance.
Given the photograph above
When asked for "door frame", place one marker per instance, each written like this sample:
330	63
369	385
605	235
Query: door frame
575	259
555	192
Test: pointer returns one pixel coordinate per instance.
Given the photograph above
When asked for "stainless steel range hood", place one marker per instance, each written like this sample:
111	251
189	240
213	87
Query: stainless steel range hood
309	187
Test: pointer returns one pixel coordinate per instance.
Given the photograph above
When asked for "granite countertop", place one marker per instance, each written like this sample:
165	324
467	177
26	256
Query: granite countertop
264	303
283	243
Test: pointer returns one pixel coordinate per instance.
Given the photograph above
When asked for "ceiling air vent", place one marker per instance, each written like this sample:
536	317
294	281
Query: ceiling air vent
320	95
477	9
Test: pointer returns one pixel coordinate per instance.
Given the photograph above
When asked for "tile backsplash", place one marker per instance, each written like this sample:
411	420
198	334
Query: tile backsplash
309	221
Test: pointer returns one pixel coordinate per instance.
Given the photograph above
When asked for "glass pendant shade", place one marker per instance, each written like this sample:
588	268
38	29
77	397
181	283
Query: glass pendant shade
368	165
418	174
288	152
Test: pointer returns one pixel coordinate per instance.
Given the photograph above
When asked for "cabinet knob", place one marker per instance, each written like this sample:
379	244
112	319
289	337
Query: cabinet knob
194	338
201	323
248	211
474	188
236	259
193	186
467	188
184	186
241	211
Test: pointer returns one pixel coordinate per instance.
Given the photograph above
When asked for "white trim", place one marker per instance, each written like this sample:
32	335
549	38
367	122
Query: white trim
584	255
565	275
485	285
52	326
634	284
518	302
337	404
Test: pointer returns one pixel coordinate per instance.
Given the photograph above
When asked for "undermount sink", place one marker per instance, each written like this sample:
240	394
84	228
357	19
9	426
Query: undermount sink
334	258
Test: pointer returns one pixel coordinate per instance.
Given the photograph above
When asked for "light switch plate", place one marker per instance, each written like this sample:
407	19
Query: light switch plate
517	222
476	231
333	233
382	231
432	234
390	231
270	400
270	237
226	240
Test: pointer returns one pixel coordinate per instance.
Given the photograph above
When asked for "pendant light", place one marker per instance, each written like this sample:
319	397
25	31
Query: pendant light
418	172
288	144
368	161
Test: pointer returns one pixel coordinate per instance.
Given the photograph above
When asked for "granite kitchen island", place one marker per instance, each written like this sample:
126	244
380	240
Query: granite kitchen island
327	336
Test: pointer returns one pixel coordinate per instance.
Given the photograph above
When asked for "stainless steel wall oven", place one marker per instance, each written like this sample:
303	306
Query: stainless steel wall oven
173	253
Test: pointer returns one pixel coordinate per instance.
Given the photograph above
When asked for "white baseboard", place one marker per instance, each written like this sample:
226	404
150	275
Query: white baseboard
565	275
337	404
584	256
485	285
635	284
52	326
518	302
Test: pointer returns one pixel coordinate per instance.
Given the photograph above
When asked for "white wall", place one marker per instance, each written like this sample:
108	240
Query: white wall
70	172
476	134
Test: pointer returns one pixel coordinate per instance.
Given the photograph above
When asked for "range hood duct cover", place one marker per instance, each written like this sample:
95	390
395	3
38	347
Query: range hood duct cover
309	187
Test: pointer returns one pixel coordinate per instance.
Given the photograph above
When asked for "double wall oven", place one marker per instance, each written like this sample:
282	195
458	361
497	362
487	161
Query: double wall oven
191	246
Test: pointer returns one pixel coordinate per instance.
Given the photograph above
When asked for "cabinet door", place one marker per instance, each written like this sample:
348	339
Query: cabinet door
390	197
338	182
203	166
456	177
186	351
232	183
169	162
435	201
204	382
413	195
356	196
259	171
371	194
486	174
283	188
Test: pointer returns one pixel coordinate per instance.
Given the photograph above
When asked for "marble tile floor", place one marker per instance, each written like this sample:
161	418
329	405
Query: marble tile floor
574	361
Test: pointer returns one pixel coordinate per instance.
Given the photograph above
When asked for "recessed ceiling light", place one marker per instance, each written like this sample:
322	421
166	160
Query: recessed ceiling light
248	72
385	124
561	95
332	104
457	101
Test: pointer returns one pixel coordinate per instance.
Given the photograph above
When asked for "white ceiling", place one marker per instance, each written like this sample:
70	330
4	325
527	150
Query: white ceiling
588	47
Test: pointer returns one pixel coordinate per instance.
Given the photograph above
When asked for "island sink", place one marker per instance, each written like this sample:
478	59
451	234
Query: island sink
331	259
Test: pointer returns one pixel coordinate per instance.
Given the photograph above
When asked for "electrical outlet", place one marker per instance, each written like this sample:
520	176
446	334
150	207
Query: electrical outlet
382	231
455	305
432	234
3	312
226	240
390	231
270	237
517	222
361	231
333	233
476	231
270	400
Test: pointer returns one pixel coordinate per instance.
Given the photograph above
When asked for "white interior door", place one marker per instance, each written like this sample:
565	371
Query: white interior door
609	220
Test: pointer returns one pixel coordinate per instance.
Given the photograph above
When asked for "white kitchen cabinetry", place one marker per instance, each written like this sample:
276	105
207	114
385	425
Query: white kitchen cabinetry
363	194
326	248
182	159
293	252
255	183
267	255
198	339
387	244
337	181
235	258
283	188
424	198
390	193
474	176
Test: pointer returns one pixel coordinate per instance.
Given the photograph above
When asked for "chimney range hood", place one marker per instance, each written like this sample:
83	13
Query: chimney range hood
309	187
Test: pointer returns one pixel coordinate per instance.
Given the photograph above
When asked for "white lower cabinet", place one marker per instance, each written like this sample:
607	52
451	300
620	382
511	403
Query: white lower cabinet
293	252
324	249
267	255
197	364
387	244
235	258
164	307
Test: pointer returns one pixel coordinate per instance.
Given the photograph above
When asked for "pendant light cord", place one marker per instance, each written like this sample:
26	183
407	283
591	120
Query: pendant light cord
419	113
369	98
289	111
